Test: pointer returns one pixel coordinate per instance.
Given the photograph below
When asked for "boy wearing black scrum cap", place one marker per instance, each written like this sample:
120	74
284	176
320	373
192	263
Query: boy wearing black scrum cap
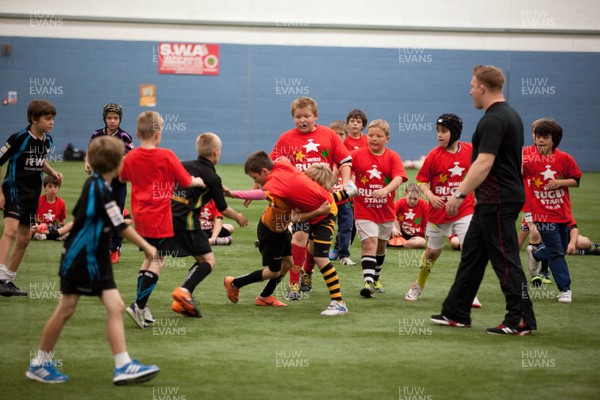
112	114
443	170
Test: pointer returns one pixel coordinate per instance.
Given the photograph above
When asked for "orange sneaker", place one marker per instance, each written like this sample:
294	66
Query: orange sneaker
178	308
269	301
114	256
232	293
184	298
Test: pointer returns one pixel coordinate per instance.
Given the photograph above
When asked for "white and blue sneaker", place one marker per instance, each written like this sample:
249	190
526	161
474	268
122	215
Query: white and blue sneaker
335	307
134	372
46	373
137	315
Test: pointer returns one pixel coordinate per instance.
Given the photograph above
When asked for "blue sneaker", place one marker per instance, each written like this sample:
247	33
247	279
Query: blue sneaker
333	255
46	373
134	372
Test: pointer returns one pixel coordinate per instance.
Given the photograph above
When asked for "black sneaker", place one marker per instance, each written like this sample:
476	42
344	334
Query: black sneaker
441	320
522	330
8	289
306	282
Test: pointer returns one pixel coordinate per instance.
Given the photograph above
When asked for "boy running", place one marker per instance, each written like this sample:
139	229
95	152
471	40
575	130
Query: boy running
86	270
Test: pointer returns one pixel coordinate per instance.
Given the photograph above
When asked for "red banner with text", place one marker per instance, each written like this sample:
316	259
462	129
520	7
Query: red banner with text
188	58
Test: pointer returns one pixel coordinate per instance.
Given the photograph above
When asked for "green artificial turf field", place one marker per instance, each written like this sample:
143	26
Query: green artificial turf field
385	348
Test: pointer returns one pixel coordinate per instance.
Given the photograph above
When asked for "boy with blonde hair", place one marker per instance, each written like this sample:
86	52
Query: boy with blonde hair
86	269
153	173
378	172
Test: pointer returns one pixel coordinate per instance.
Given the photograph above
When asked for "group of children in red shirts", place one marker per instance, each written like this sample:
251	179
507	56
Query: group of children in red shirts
295	232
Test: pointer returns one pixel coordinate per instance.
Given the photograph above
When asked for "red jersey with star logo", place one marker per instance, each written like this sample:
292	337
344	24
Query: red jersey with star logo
374	172
322	145
208	215
444	171
297	190
51	212
355	144
549	205
412	220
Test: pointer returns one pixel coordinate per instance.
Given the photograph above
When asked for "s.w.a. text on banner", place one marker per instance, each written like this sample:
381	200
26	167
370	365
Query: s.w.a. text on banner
188	58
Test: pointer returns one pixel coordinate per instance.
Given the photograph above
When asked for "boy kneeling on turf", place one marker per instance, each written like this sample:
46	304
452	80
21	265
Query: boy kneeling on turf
86	269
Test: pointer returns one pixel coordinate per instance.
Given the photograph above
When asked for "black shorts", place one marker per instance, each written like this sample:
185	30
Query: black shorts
24	211
86	288
163	245
189	243
224	233
273	246
322	235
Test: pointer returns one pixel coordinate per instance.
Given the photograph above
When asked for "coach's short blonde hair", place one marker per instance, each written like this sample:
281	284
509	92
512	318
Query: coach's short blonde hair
149	122
489	76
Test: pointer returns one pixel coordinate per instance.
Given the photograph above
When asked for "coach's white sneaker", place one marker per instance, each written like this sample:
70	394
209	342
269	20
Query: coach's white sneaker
476	303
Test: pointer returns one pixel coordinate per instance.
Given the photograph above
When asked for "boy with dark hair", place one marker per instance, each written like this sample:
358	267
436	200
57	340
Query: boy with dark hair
112	115
51	213
26	153
357	121
86	270
190	239
153	173
551	172
274	178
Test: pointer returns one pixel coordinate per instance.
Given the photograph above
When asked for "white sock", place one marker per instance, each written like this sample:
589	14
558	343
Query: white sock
122	359
42	358
6	274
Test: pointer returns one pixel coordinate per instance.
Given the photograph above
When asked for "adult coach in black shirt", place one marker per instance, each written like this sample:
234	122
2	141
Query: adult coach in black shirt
495	176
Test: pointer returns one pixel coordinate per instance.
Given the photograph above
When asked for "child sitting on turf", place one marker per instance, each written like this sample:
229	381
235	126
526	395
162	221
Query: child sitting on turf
51	213
379	172
551	172
211	222
85	269
274	178
411	220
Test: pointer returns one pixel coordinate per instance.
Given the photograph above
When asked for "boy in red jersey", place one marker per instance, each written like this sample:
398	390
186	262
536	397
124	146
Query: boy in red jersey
379	172
305	145
551	173
356	120
211	222
443	170
153	173
275	178
411	219
51	213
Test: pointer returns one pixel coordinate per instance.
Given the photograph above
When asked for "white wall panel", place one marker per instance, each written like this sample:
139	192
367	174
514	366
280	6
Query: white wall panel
459	24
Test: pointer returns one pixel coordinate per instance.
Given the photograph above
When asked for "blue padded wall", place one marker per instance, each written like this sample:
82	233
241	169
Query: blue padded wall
247	104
